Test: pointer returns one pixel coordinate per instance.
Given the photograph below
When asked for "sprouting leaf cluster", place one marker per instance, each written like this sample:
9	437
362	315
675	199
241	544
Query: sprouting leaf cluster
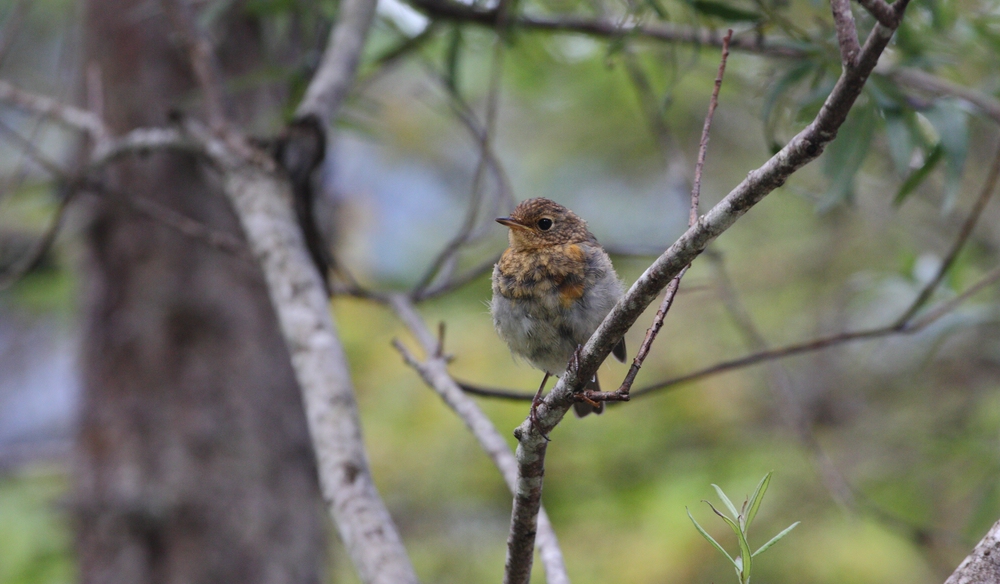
739	521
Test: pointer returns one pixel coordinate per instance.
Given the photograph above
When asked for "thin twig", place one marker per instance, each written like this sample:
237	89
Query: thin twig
882	12
201	54
791	350
70	116
847	32
668	299
904	324
30	260
989	187
166	216
465	235
336	72
434	372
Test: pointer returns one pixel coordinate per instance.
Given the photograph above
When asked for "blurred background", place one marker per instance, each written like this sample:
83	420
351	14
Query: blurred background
886	450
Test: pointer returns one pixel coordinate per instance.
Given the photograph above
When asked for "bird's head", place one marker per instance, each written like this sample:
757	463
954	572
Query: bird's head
539	223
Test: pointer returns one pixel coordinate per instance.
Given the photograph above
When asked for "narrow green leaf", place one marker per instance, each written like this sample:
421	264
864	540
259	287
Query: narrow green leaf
775	539
725	12
918	176
708	537
658	9
756	498
899	133
725	499
453	58
845	155
742	540
783	84
951	122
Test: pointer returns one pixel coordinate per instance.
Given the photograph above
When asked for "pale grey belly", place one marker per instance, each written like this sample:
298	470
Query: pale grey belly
545	333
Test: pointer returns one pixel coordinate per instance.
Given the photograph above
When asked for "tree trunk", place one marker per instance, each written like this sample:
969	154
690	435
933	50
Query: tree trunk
193	459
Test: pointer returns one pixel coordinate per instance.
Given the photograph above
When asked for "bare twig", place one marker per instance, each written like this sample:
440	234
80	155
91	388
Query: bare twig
803	148
456	282
466	233
447	10
847	32
434	371
668	299
201	54
30	260
333	79
70	116
882	12
989	187
923	81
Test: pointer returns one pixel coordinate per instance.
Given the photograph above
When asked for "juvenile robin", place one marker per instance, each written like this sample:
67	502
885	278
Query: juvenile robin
551	289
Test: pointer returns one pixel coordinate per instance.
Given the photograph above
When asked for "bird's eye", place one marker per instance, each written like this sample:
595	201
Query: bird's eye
544	223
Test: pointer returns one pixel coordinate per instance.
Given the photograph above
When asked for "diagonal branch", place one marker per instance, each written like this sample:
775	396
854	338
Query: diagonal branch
67	115
904	324
262	199
802	149
487	159
434	371
332	81
668	298
882	11
982	566
847	32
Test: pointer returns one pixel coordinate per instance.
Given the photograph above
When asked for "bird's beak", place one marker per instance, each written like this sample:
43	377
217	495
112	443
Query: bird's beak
508	222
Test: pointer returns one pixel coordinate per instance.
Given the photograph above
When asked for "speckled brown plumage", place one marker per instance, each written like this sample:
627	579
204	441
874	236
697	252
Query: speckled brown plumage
552	287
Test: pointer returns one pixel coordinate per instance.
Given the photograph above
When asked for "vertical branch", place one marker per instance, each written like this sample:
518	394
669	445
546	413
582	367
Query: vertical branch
202	56
847	32
435	374
262	202
333	79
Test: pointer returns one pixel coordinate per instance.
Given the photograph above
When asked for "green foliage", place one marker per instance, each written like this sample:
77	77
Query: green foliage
34	537
739	521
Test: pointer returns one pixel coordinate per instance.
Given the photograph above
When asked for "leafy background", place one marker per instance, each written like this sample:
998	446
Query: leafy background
910	422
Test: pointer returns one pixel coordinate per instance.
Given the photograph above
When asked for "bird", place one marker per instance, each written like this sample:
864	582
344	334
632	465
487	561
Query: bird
551	289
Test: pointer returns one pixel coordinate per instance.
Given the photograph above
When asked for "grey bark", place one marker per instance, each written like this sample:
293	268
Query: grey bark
983	564
193	460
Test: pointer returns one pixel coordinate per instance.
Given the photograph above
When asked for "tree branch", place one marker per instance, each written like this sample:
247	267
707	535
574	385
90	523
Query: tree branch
70	116
982	566
882	11
920	80
989	187
803	148
448	10
201	55
263	202
847	32
668	298
333	79
434	371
